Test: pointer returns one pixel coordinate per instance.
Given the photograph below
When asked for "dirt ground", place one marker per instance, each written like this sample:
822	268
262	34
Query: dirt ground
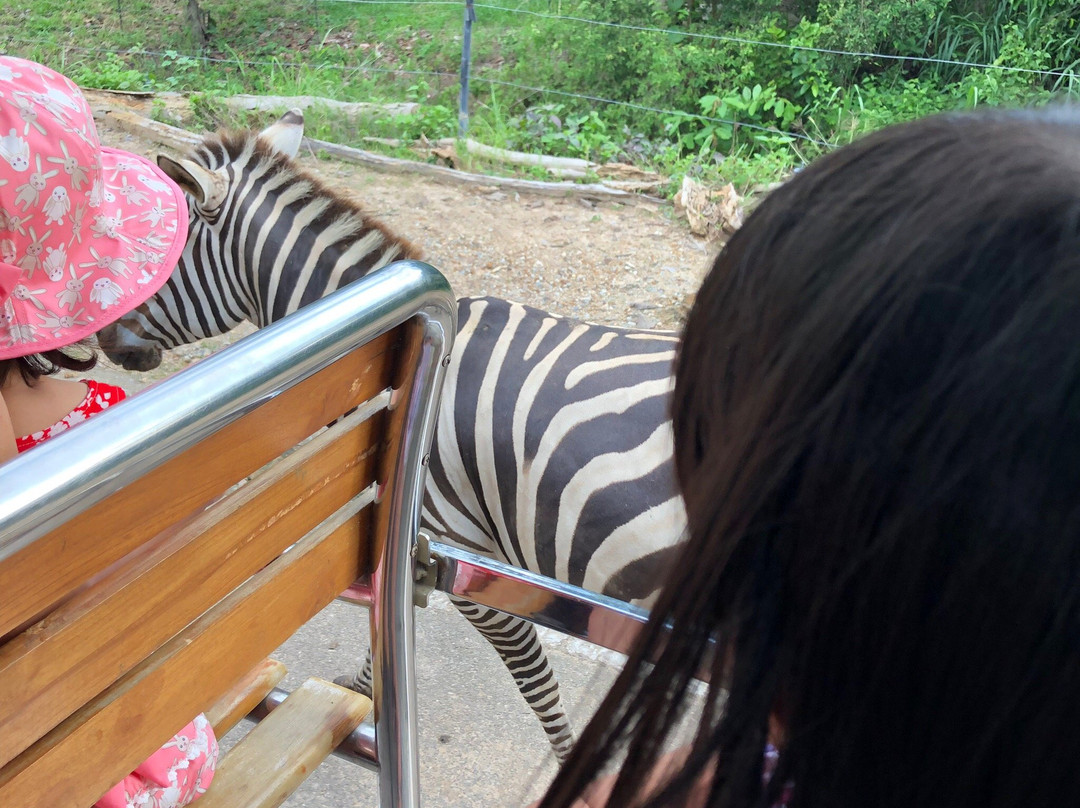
617	264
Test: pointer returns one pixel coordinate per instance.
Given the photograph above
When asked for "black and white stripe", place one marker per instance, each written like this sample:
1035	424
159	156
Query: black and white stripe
553	452
264	239
553	447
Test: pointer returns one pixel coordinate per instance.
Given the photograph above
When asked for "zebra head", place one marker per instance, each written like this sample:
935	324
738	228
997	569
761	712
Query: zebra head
264	239
218	171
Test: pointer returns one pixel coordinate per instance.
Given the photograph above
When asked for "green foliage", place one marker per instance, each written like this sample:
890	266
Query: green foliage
722	125
1036	32
651	68
110	73
989	86
433	121
177	70
684	103
549	129
584	135
877	26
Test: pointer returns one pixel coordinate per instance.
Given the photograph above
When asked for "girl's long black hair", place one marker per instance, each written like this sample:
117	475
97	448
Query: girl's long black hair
877	426
81	356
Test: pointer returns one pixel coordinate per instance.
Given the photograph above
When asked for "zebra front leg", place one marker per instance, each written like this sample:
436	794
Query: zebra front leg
518	645
361	680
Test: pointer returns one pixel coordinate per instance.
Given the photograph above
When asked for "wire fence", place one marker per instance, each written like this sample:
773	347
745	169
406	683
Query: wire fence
466	75
680	33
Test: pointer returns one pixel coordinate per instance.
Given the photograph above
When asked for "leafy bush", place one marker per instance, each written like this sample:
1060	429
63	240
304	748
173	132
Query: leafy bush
110	73
696	93
893	27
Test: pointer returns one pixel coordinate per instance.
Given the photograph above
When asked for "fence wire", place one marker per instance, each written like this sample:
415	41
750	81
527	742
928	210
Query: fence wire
362	68
676	34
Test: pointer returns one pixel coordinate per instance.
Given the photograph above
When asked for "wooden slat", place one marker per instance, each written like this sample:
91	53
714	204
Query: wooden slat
95	747
244	696
277	755
411	345
91	641
107	532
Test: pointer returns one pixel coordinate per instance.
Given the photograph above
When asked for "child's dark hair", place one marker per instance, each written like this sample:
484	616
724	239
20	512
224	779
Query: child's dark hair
81	356
877	425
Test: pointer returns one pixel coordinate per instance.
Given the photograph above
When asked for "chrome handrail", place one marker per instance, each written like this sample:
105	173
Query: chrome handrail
65	476
70	473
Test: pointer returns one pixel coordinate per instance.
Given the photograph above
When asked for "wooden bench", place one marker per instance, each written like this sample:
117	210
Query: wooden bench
152	558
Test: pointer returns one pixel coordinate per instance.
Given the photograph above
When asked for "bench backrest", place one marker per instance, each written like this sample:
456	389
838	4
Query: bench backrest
143	555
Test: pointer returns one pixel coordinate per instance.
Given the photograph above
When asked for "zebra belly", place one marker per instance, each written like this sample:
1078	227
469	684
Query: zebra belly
553	449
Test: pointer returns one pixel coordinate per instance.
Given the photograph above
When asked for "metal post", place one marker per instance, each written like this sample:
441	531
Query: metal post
466	57
393	631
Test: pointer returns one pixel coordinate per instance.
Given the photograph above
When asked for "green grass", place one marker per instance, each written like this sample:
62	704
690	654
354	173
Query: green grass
373	52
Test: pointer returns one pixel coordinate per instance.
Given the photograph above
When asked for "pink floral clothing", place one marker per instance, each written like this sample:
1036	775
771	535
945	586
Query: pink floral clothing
180	771
175	775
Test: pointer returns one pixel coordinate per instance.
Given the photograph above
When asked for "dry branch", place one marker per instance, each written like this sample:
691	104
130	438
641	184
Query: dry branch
621	176
273	103
378	162
124	120
181	140
566	167
553	164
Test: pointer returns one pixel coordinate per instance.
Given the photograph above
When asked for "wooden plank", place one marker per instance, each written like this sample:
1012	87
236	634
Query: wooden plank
119	524
245	696
77	762
87	644
278	755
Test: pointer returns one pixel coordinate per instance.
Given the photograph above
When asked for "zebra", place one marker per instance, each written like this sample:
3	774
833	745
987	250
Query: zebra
553	445
236	184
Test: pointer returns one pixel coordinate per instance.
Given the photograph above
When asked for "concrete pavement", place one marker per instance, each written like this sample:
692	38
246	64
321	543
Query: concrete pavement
480	745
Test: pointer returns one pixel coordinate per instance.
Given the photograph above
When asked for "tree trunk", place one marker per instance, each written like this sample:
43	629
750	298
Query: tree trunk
198	21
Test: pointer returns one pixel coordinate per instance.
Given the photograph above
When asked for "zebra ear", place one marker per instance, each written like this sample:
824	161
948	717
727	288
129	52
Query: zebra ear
197	182
285	135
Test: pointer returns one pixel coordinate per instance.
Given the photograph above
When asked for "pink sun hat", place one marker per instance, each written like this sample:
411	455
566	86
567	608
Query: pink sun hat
87	233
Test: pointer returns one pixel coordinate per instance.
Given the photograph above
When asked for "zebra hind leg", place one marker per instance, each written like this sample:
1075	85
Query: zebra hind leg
518	645
361	680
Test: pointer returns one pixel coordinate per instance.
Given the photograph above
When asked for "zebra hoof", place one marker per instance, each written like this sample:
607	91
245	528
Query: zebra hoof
350	683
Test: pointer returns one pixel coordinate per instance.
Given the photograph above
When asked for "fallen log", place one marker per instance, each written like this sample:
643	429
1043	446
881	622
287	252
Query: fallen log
555	165
124	120
621	176
351	109
181	140
379	162
565	167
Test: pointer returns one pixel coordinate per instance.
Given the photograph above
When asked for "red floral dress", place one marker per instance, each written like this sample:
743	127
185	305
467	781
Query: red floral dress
181	770
98	396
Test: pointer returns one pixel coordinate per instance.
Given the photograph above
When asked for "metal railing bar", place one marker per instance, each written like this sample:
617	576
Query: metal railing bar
569	609
60	479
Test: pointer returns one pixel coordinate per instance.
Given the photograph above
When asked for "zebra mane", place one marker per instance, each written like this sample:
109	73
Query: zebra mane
246	147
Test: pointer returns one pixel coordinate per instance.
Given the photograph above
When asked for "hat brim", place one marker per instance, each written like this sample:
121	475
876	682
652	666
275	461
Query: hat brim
160	234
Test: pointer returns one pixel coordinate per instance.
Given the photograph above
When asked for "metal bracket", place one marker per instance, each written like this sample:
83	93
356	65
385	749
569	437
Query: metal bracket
425	570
